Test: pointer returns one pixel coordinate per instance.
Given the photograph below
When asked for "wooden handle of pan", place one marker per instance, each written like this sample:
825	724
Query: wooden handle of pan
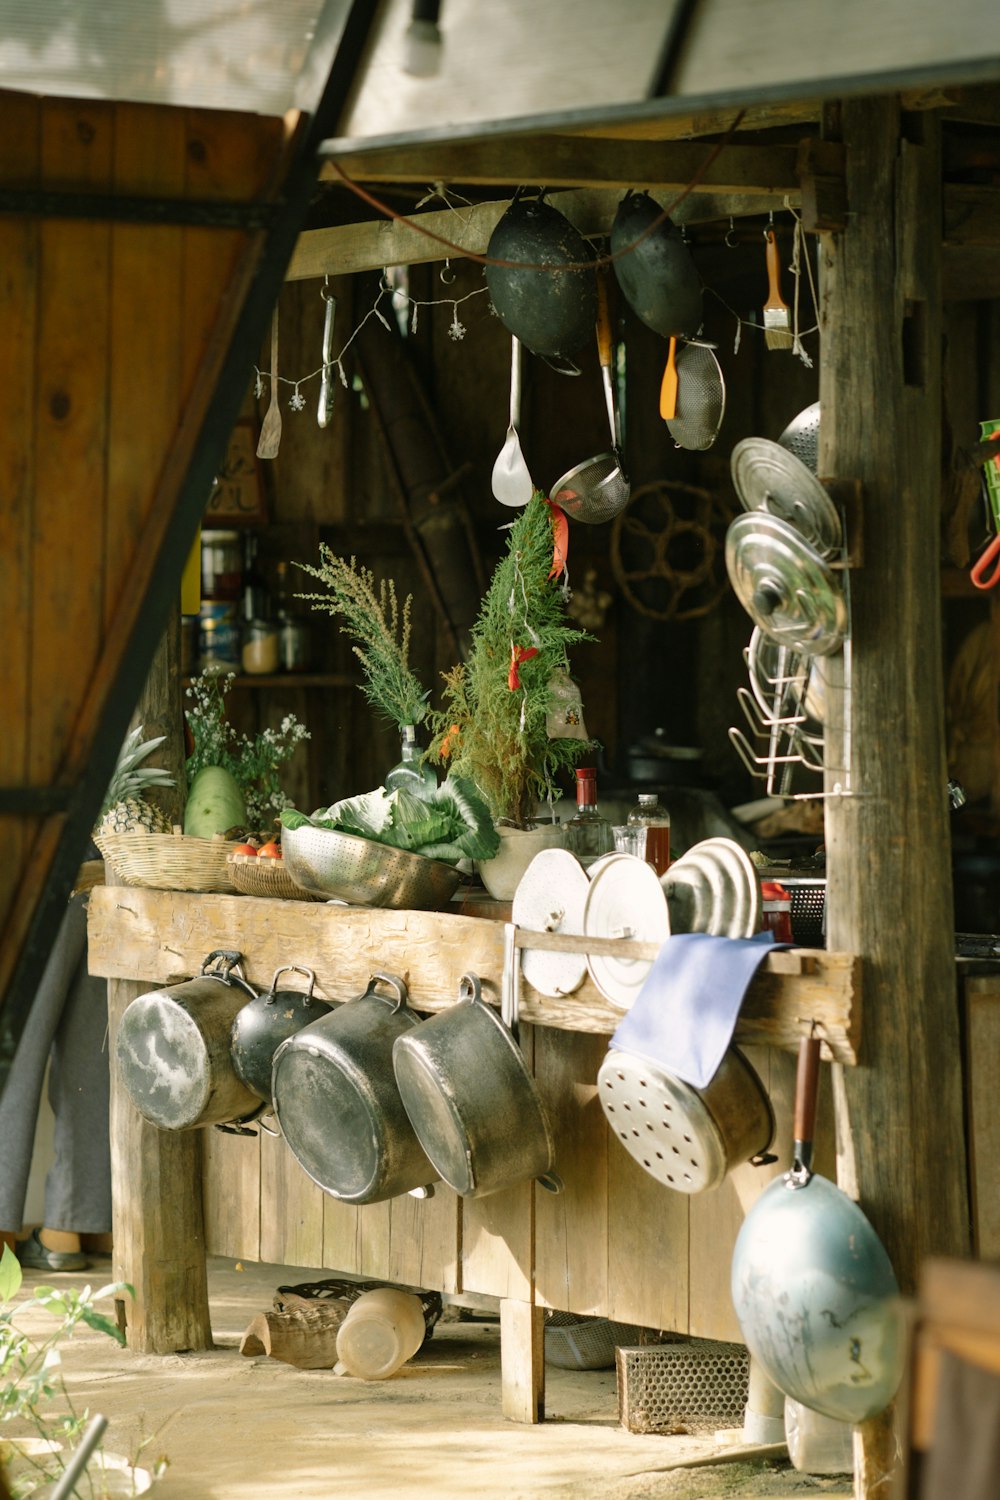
806	1083
603	319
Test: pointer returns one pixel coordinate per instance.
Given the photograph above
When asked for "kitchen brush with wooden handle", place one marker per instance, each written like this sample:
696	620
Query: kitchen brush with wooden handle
777	317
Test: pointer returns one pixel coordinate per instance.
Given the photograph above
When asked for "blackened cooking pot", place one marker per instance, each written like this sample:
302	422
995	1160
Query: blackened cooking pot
337	1103
471	1099
265	1022
172	1049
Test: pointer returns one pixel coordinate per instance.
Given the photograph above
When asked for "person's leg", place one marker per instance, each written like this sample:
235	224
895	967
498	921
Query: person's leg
22	1092
78	1185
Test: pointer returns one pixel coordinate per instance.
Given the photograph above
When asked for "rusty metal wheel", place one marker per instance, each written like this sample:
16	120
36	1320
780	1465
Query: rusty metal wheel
666	548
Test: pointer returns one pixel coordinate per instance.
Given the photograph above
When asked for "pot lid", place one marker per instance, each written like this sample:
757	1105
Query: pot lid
624	900
769	477
784	584
550	897
662	1122
714	888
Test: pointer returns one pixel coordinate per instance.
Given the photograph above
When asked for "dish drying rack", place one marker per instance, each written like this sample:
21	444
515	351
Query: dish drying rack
780	707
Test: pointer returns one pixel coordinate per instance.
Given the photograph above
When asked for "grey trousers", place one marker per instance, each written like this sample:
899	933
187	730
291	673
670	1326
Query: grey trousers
67	1028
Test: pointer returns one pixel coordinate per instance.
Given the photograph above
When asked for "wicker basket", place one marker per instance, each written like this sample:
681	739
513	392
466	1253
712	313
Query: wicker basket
168	861
265	877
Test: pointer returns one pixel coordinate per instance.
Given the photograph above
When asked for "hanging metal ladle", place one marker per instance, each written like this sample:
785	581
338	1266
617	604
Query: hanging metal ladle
511	482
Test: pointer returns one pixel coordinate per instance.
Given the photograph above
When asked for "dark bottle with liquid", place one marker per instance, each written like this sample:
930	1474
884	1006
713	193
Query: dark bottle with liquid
649	814
255	599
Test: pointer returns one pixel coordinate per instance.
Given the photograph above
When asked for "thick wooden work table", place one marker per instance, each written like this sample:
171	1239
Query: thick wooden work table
614	1242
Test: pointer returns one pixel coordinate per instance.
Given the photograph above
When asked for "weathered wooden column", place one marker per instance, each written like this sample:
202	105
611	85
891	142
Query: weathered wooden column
900	1133
159	1240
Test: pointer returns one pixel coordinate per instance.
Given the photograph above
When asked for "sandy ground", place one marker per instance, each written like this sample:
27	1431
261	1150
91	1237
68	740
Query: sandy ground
233	1427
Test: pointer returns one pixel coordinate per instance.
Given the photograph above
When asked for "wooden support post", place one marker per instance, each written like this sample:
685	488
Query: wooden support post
522	1361
888	843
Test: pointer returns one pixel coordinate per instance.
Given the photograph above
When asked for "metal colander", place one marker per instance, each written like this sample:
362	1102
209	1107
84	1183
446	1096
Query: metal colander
595	491
801	436
701	398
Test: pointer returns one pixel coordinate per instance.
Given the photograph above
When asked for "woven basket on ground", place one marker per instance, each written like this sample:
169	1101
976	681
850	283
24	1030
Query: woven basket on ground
253	876
168	861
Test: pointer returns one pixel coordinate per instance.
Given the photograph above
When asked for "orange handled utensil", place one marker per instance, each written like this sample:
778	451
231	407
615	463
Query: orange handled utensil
668	386
777	316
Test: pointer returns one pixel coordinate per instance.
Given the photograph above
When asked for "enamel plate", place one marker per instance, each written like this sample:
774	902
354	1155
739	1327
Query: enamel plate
625	900
550	897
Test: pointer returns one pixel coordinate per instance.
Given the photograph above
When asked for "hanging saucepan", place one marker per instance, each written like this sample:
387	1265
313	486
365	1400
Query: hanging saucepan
812	1285
658	276
552	311
338	1105
687	1138
265	1022
471	1099
172	1049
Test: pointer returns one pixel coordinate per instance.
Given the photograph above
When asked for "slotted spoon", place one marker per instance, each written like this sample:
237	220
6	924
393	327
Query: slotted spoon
270	429
511	483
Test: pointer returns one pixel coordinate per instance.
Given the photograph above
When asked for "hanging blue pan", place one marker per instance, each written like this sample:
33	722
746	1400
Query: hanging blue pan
813	1288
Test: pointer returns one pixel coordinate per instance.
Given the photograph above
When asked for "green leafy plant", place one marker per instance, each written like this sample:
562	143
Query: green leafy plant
33	1392
381	631
449	824
494	725
254	763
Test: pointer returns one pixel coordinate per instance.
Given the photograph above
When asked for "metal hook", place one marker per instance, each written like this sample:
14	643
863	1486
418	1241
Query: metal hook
731	235
324	290
446	275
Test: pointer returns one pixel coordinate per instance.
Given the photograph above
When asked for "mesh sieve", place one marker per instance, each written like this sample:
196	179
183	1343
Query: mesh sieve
595	491
701	398
801	436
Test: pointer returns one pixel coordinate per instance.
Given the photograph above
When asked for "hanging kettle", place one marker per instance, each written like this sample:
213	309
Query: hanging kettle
265	1022
657	275
552	311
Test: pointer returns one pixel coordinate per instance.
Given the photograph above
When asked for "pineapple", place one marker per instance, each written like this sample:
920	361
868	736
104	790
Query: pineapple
124	809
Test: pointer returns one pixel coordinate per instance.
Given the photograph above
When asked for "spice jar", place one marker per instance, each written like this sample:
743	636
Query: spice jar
261	647
776	911
221	565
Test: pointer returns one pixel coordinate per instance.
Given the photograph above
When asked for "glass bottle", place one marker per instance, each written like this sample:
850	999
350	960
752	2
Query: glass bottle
255	602
411	771
648	813
588	832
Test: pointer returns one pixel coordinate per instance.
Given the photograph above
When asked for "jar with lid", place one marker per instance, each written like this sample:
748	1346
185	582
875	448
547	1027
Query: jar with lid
260	655
221	565
588	832
649	813
776	911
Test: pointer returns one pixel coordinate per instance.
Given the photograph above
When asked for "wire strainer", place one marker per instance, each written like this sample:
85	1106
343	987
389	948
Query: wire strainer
597	489
801	436
701	398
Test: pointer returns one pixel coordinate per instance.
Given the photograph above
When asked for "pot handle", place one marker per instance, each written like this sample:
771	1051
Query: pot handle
806	1084
394	982
272	993
229	971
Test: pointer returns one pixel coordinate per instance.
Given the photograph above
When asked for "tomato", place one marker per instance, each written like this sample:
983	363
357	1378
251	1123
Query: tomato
244	849
269	851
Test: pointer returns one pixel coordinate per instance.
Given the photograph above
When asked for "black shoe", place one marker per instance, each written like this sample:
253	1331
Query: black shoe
35	1256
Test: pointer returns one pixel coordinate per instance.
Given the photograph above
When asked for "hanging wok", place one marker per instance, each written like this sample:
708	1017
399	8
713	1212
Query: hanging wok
538	298
814	1291
658	277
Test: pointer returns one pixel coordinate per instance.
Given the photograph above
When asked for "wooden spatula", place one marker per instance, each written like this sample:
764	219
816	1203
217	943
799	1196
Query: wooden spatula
270	429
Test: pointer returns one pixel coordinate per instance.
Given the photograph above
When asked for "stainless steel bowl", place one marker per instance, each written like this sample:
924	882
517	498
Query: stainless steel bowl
364	873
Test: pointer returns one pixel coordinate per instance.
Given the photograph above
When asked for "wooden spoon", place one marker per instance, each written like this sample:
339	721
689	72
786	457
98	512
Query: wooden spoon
270	429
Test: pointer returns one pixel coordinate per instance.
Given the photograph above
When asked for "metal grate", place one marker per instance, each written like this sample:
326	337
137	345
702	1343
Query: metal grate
808	895
692	1387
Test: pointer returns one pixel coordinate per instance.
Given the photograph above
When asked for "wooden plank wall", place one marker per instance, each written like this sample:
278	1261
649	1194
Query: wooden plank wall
111	336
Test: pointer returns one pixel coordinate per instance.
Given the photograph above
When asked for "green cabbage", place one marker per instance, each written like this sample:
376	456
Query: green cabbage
450	824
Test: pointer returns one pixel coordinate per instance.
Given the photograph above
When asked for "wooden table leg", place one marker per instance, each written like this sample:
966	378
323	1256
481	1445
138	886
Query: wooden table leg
522	1361
157	1217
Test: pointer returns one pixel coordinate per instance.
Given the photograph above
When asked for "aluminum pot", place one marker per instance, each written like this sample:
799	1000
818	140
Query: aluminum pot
265	1022
471	1100
687	1138
172	1049
337	1103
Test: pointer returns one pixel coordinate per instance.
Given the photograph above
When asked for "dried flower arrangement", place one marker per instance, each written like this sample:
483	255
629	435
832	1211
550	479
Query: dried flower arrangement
253	763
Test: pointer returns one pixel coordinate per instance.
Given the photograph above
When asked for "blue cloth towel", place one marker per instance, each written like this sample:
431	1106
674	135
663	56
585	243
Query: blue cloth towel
684	1015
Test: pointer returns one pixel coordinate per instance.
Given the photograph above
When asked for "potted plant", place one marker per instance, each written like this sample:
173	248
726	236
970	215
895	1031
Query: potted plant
511	719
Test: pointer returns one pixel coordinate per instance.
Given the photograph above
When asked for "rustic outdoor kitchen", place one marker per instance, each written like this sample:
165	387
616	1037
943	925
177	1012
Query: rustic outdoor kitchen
546	600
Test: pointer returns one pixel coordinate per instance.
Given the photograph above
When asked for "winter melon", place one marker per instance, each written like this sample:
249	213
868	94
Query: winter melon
214	803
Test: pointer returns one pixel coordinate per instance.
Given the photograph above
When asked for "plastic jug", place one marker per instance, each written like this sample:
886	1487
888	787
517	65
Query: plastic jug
383	1329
